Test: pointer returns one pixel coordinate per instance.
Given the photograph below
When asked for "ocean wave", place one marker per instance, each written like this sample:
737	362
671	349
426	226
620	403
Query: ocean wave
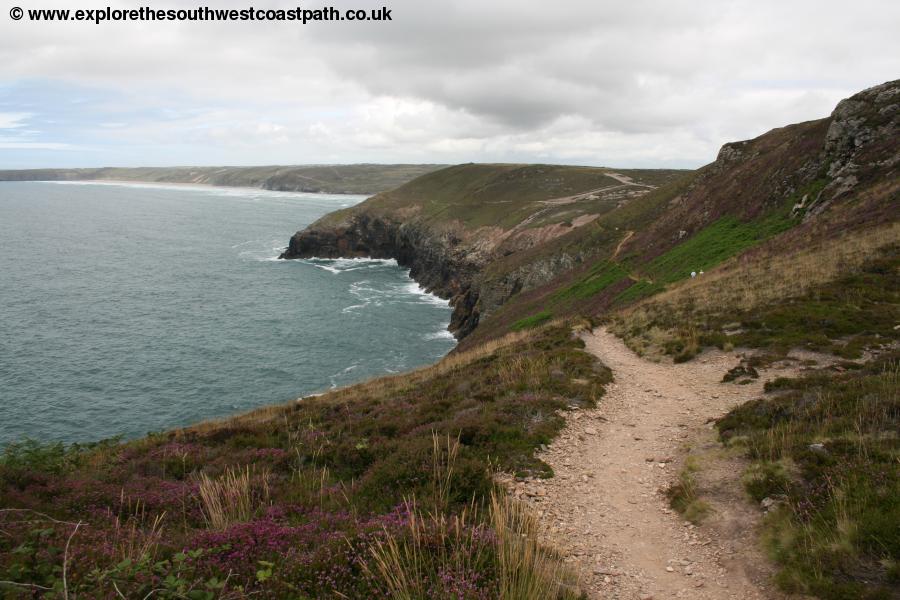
443	334
343	373
353	308
235	192
424	296
346	265
263	252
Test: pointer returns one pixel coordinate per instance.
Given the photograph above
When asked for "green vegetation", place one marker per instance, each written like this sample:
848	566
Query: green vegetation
638	291
491	195
683	495
857	311
304	500
532	321
713	244
601	276
843	317
828	445
498	195
765	479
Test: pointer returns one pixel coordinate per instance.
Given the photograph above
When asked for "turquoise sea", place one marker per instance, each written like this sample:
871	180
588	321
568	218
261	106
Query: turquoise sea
130	308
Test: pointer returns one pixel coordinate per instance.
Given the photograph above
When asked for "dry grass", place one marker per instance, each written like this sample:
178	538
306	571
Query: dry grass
742	284
523	371
137	534
410	561
233	497
435	548
444	456
745	285
527	568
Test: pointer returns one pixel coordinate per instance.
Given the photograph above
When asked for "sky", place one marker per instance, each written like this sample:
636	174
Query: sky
598	82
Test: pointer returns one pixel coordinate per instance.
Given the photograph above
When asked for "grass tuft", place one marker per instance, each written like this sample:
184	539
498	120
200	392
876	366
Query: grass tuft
828	445
233	497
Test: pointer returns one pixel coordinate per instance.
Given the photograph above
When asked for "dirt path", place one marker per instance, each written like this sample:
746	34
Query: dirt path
606	507
627	180
624	240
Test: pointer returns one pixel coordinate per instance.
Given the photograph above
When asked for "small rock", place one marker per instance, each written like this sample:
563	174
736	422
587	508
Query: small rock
818	448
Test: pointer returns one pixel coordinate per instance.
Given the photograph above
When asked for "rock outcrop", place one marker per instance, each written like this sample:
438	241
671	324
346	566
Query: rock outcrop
479	235
473	234
436	260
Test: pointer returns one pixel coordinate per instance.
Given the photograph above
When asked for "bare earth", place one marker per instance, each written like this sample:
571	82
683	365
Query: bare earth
606	507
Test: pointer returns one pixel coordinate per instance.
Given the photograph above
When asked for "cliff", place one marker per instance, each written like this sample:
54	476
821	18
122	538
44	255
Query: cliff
448	227
516	241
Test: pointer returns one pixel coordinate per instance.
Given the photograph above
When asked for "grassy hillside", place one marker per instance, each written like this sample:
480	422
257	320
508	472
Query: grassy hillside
330	179
480	234
306	500
791	188
507	195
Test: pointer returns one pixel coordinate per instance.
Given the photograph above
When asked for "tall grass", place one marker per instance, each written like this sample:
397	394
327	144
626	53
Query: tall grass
437	554
767	279
527	569
233	497
136	534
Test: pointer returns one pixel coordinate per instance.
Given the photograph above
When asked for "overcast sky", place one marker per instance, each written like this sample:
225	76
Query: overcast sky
618	83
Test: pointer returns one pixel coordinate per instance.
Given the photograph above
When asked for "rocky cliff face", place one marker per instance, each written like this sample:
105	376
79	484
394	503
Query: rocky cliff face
437	261
838	172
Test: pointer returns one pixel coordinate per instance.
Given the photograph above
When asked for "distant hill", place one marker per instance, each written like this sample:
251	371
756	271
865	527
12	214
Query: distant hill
452	226
327	179
523	244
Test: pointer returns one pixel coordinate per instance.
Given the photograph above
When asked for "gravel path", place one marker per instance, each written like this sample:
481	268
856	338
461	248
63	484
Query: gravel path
606	508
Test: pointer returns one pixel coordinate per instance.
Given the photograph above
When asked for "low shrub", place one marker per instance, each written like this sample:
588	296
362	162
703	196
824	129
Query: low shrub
828	445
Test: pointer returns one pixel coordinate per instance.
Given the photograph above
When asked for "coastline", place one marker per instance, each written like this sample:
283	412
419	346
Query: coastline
389	306
177	185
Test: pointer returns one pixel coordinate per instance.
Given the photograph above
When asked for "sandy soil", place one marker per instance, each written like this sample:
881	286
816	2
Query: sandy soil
606	508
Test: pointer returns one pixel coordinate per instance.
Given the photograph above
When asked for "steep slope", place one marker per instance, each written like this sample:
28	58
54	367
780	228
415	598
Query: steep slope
784	191
330	179
523	244
450	226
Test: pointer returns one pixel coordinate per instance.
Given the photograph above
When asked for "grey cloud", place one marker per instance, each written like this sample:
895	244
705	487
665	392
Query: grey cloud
476	80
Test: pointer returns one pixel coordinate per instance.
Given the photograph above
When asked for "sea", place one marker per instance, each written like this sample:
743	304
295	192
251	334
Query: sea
135	308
